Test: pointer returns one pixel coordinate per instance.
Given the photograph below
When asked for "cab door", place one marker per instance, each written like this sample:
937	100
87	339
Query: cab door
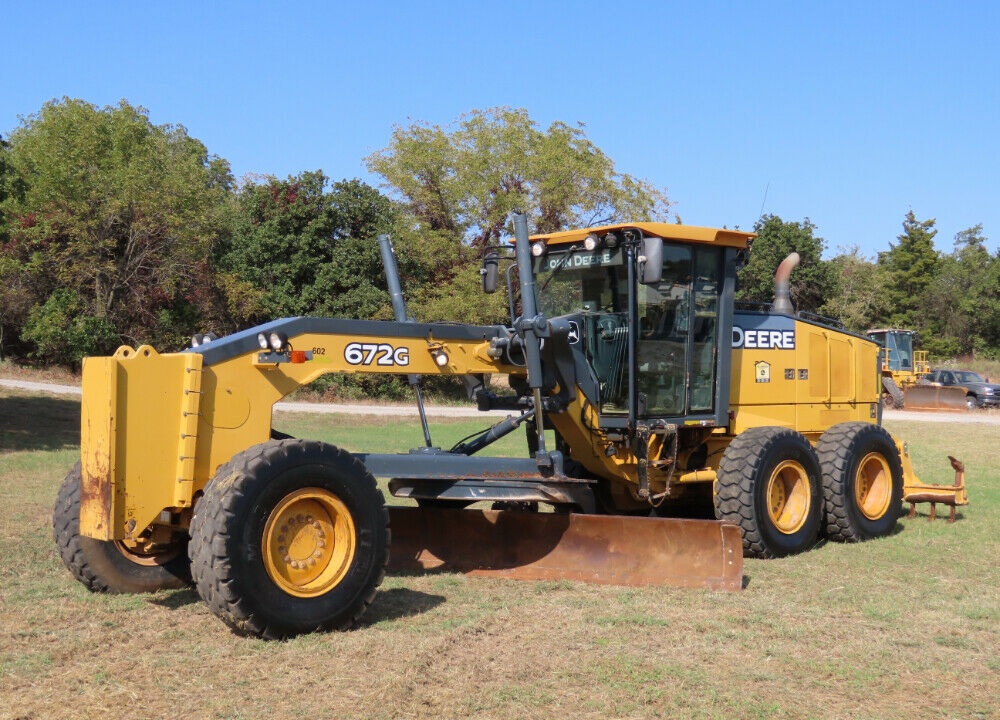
680	334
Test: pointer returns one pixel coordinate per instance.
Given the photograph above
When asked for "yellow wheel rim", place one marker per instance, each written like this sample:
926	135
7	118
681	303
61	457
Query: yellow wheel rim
309	542
147	559
873	486
789	497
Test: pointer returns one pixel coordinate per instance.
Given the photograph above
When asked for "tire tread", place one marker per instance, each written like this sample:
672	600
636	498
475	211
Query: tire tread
213	523
837	449
741	464
97	564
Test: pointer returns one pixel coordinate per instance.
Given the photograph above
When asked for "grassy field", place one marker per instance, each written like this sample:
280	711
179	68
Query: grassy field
905	627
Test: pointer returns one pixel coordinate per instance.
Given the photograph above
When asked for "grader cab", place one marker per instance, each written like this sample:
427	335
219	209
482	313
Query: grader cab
682	434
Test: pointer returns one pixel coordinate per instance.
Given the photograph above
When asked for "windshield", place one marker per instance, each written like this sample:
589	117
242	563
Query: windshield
967	376
577	281
678	336
898	351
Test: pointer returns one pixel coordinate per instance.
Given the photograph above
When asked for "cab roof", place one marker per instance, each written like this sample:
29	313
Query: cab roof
667	231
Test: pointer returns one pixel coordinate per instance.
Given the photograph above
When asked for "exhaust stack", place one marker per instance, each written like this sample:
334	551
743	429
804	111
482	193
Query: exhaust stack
782	297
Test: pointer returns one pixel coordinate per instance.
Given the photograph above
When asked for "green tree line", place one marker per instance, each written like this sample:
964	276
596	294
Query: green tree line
114	230
951	299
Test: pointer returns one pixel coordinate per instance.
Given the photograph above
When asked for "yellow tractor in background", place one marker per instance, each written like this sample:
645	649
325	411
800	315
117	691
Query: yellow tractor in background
667	436
903	370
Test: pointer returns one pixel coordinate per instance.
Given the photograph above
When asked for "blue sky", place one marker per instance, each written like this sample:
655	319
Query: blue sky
848	113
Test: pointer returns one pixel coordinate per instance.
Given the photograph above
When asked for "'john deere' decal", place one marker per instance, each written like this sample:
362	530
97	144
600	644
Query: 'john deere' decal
764	332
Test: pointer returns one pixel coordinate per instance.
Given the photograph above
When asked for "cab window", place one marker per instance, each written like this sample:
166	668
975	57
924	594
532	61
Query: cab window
679	331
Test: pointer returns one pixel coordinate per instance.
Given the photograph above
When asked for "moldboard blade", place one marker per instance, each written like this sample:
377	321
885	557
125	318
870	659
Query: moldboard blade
604	549
934	397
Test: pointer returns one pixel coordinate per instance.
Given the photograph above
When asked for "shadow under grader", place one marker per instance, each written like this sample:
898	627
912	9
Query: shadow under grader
388	604
399	603
176	600
924	515
38	423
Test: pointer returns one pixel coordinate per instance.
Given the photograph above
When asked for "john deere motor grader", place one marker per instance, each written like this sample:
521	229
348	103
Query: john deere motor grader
662	401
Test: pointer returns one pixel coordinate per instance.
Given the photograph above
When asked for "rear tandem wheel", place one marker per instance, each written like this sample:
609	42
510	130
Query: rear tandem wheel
768	484
862	481
291	536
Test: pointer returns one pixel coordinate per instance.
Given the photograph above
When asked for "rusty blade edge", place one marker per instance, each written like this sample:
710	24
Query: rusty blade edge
931	397
602	549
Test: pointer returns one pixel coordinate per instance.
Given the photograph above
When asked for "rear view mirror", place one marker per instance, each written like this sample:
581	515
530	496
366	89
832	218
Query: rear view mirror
652	268
490	271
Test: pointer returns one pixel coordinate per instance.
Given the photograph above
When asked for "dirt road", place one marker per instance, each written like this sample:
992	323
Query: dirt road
310	407
988	418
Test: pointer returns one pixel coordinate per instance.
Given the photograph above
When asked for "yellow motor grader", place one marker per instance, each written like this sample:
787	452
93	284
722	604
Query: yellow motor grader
667	435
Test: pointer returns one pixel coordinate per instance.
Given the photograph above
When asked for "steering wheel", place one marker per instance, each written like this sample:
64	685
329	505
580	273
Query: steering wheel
606	326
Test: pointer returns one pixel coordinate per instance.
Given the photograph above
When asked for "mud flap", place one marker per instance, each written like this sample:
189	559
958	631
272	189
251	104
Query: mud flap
934	397
603	549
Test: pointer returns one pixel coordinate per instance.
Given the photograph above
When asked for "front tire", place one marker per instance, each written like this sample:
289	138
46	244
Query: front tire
111	566
862	481
768	484
291	536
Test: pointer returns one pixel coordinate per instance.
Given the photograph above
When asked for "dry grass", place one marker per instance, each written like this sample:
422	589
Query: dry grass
905	627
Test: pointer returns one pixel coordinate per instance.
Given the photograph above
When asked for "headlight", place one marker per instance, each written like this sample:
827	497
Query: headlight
201	339
262	341
440	357
538	249
277	341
